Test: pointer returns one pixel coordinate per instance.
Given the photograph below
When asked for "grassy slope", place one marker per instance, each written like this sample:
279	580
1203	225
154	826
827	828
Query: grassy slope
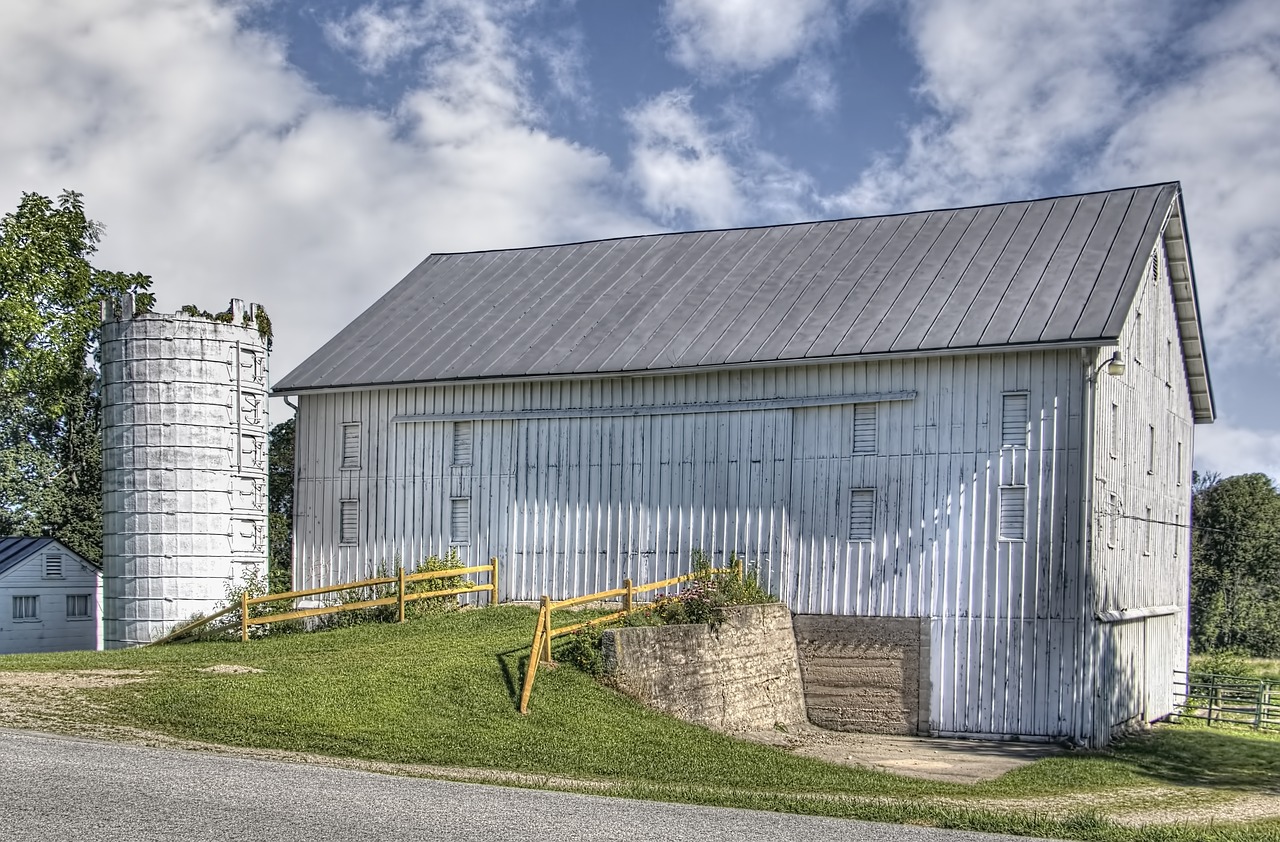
441	691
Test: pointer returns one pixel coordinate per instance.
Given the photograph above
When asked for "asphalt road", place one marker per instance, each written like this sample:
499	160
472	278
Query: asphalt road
58	788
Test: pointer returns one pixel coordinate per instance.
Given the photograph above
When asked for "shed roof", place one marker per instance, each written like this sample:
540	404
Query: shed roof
1061	270
14	549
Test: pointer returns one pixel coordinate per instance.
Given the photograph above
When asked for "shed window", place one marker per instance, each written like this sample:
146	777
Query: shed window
79	606
349	529
864	429
1137	337
1179	463
53	566
350	446
1013	512
1113	522
1146	533
1013	419
862	513
460	520
26	608
462	442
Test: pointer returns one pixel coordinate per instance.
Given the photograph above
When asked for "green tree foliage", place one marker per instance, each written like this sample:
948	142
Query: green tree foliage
1235	565
50	450
280	503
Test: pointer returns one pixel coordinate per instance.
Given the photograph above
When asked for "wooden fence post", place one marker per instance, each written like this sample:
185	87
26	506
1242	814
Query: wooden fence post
546	632
400	591
493	580
244	616
629	597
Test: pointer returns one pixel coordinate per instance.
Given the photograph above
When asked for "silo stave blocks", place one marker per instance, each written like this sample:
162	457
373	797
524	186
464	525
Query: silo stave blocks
184	465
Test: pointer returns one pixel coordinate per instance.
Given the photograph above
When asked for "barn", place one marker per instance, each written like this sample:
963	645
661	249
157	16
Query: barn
975	422
50	597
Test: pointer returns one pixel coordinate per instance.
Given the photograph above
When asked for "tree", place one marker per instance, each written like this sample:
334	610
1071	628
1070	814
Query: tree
1235	564
280	504
50	447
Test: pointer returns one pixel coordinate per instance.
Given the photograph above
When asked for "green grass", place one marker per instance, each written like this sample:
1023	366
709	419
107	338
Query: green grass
442	691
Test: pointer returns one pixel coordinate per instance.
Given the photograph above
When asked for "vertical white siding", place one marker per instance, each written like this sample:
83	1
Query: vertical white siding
575	504
1140	548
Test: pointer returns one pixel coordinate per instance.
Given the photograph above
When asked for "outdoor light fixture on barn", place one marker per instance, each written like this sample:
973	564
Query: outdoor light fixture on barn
893	418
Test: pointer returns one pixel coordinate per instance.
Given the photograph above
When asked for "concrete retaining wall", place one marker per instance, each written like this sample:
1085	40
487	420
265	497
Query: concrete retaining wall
865	674
740	675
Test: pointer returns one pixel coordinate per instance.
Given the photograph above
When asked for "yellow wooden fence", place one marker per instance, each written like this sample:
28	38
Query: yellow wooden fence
544	631
401	580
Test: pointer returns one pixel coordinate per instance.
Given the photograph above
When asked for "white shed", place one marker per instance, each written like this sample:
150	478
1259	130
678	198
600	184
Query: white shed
974	424
50	597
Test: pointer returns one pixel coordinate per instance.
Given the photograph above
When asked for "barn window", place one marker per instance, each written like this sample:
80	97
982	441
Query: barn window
1013	512
460	520
864	429
79	607
1013	419
1146	533
1113	522
1137	337
1179	463
1151	449
53	566
1115	430
349	520
26	608
462	442
1168	362
350	447
862	513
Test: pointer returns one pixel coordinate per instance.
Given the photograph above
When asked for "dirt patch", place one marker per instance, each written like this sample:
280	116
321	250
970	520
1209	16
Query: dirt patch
72	680
230	669
957	761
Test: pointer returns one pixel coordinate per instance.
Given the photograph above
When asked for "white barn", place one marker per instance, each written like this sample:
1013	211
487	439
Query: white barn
50	597
913	416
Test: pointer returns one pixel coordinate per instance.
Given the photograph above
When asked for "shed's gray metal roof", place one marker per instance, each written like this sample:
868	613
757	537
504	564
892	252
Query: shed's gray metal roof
15	548
1050	271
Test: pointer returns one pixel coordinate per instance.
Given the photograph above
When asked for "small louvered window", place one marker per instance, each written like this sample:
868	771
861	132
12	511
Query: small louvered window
1013	419
350	446
350	521
462	442
862	513
864	428
53	566
1013	512
460	520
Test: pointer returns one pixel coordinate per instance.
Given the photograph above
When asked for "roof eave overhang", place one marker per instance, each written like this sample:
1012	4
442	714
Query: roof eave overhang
1097	342
1186	304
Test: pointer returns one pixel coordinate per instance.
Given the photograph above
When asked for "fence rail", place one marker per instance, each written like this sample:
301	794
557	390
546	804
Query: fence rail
544	631
1227	698
400	598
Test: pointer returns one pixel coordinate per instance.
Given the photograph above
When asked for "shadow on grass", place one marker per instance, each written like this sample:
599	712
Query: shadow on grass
513	663
1202	756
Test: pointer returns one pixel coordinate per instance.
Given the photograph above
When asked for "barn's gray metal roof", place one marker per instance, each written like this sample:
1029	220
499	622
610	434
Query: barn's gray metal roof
1050	271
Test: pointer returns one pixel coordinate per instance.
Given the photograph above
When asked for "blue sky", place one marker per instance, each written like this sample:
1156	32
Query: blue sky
306	155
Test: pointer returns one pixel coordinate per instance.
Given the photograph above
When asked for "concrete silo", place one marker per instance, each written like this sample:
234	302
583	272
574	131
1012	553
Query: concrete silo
184	465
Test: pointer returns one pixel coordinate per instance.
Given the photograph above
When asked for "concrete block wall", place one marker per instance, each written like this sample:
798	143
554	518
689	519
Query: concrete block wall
864	674
740	675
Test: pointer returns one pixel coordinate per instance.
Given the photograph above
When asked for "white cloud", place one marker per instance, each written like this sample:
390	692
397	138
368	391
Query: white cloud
1231	450
220	170
376	37
680	165
1016	90
713	37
